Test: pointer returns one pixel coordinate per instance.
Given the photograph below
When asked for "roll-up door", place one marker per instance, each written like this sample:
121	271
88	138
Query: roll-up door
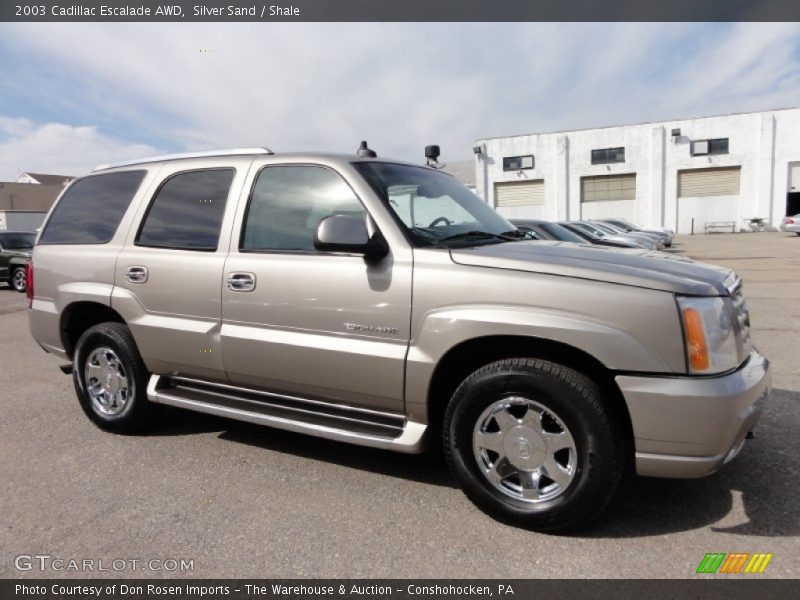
602	188
722	181
518	193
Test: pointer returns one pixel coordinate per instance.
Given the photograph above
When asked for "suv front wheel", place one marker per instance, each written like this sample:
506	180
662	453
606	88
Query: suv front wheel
19	279
110	378
532	443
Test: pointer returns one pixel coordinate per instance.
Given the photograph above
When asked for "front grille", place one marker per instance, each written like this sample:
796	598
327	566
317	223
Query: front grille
741	317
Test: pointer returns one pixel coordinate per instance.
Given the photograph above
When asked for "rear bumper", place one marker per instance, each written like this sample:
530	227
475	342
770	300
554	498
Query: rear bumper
690	426
44	322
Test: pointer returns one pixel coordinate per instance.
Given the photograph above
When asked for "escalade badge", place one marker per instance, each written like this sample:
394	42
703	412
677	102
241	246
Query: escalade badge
371	328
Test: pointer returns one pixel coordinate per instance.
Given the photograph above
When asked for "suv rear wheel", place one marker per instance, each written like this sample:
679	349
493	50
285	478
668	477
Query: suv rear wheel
531	443
110	378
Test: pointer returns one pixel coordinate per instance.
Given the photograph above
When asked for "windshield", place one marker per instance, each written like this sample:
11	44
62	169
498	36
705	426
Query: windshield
588	229
434	208
17	241
562	233
620	224
530	233
607	228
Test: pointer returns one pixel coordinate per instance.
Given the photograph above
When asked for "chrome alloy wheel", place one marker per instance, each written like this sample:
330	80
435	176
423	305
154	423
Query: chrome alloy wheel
107	383
524	449
19	280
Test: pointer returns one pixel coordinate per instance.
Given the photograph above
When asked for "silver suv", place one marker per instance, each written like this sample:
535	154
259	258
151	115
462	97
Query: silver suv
381	303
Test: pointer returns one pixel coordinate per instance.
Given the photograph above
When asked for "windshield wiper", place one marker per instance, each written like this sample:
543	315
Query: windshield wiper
514	233
476	234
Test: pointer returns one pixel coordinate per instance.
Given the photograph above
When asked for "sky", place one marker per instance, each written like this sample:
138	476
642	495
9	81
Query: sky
76	95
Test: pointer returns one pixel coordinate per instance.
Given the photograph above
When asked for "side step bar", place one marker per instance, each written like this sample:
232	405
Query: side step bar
342	423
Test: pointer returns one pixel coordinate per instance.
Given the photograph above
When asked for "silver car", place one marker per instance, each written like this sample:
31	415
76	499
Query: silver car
639	240
381	303
791	224
630	227
659	241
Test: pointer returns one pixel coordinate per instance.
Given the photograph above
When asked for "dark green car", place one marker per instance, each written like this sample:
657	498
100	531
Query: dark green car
15	251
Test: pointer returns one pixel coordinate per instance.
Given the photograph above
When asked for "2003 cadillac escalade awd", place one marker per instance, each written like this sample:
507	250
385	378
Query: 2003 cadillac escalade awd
381	303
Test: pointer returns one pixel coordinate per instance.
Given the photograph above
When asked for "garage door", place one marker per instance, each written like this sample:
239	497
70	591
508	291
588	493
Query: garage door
794	177
602	188
709	182
519	193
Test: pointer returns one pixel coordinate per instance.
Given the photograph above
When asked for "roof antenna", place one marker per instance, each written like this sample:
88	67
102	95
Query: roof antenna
364	151
432	155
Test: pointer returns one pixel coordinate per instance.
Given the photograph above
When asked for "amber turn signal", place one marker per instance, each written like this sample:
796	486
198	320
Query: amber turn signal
695	339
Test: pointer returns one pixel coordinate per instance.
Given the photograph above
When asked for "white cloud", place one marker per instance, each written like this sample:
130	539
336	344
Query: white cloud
401	86
58	148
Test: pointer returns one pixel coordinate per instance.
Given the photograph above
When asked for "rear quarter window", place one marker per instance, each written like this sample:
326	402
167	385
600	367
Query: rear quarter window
91	209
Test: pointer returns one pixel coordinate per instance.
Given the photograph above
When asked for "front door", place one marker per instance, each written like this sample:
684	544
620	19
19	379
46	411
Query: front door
319	325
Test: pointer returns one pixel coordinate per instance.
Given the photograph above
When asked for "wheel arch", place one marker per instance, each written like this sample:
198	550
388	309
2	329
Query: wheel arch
79	316
468	356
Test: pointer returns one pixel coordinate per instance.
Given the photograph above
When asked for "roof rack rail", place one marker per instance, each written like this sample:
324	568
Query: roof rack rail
203	154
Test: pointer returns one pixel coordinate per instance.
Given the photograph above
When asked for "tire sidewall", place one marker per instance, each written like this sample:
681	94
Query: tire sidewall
93	338
591	431
14	272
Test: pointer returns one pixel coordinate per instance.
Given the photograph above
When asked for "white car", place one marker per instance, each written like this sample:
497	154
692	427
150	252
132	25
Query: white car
791	224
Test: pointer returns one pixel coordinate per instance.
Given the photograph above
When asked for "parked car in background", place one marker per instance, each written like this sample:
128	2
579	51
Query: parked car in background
657	239
638	241
629	227
547	230
15	252
597	238
791	224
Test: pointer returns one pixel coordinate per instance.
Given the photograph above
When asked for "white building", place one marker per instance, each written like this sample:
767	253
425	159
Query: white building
681	174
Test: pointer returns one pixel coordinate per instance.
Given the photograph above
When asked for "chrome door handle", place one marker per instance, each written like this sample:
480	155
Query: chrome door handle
241	282
136	274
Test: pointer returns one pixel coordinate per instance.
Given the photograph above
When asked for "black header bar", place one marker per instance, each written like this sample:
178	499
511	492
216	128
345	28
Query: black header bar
399	10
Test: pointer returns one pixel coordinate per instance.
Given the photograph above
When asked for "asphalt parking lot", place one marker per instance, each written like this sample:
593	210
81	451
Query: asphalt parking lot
244	501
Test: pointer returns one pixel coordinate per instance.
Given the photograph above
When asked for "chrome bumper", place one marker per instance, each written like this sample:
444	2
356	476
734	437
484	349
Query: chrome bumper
690	426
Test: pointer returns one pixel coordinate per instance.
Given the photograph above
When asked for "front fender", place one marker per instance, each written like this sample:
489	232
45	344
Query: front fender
446	328
17	261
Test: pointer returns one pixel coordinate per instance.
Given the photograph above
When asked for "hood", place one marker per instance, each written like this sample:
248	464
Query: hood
25	253
640	268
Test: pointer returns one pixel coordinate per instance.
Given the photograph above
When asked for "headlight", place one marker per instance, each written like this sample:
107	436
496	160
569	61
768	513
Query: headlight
710	334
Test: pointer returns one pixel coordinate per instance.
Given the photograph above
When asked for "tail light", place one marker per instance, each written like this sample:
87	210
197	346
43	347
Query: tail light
29	283
788	221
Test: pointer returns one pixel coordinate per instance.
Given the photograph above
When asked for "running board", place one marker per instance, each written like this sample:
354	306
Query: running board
343	423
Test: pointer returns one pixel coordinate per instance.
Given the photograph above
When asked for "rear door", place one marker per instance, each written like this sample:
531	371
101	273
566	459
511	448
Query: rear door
168	275
297	321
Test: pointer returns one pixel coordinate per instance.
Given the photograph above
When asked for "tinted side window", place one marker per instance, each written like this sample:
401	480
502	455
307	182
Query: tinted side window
91	209
288	203
187	211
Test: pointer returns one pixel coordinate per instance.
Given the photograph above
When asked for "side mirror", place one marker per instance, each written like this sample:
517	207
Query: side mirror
341	233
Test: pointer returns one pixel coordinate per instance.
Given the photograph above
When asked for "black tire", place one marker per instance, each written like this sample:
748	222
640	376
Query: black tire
571	397
18	279
137	409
